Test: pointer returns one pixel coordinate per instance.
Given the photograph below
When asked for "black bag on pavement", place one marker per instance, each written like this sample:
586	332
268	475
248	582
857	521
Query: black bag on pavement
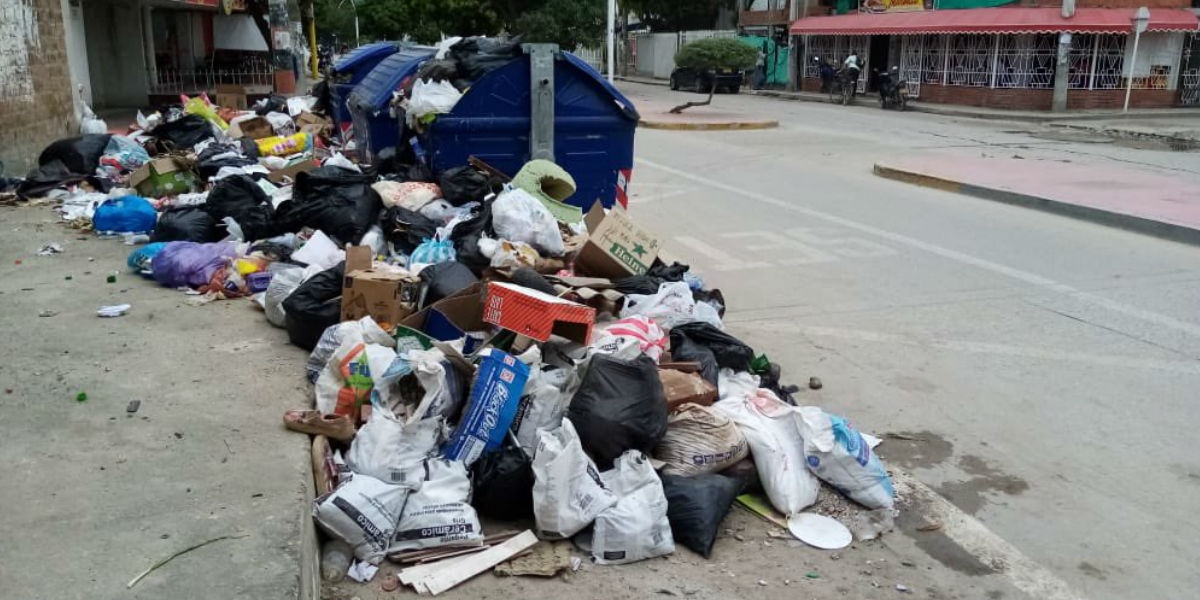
314	306
684	349
80	155
696	506
183	133
620	405
339	202
186	224
239	197
503	484
461	185
649	283
444	279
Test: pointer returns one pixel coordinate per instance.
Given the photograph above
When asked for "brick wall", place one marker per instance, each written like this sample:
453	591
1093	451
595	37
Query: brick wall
1017	99
36	102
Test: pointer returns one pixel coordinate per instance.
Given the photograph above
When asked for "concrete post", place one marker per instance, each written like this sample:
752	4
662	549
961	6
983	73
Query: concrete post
1062	64
148	47
794	71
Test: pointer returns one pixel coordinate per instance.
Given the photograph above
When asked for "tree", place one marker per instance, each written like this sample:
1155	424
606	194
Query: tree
568	23
677	15
712	54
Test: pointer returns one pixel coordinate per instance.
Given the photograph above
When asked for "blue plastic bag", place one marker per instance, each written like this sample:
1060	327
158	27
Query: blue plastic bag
128	214
139	260
190	264
434	251
837	453
123	154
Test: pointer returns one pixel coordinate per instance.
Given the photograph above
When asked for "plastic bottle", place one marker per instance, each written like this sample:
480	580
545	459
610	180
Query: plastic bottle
335	560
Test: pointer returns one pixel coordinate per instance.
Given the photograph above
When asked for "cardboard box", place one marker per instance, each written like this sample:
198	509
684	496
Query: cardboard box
162	177
231	96
256	128
291	171
616	246
492	405
387	295
452	318
537	315
683	388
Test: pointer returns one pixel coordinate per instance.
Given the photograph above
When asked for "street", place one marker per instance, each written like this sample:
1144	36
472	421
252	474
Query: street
1041	371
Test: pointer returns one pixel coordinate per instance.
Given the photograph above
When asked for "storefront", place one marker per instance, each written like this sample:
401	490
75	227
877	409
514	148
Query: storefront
1005	57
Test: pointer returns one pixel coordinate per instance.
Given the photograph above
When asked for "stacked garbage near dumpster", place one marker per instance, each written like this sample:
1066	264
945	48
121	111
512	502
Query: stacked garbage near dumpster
500	357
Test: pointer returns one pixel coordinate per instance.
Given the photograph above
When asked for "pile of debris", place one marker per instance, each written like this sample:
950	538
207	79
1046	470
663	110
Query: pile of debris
479	349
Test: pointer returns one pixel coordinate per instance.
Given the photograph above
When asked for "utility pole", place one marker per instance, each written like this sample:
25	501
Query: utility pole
612	17
1062	63
793	48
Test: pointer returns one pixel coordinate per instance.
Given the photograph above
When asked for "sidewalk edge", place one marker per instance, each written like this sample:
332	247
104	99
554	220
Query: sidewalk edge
1159	229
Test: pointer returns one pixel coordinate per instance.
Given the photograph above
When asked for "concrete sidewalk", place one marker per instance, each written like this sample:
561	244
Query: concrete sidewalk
97	491
1136	200
975	112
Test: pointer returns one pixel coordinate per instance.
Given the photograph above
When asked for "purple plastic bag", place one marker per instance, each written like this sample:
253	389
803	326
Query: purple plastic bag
189	263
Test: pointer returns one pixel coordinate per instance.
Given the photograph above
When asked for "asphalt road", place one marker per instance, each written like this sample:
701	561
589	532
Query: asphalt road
1047	369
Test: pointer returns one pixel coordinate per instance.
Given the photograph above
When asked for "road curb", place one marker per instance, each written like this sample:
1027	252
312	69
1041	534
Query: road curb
1159	229
1128	135
719	126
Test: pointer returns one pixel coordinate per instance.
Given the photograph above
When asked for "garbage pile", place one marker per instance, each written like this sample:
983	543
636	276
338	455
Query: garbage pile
481	351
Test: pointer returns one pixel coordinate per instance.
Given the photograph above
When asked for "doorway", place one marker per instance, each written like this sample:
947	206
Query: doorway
877	60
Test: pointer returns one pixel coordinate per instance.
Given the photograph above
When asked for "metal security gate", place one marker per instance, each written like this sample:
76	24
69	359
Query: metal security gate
1189	72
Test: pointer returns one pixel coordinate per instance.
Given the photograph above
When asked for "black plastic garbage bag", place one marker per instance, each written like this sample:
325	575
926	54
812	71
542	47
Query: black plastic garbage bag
728	351
80	155
461	185
696	506
444	279
476	56
186	224
272	103
215	156
533	280
620	406
466	237
45	178
503	482
406	229
684	349
649	283
182	133
339	202
240	197
314	306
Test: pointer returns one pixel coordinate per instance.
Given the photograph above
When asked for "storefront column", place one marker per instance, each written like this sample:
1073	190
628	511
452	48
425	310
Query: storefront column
1061	73
1095	57
995	61
148	47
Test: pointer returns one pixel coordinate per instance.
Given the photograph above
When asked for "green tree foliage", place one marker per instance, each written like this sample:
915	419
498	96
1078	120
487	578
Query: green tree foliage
677	15
716	53
568	23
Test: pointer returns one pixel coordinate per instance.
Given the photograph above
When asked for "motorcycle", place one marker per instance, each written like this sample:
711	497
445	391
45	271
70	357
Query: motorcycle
892	90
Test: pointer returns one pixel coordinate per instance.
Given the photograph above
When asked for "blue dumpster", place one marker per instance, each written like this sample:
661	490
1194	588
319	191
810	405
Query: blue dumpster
592	132
350	71
374	127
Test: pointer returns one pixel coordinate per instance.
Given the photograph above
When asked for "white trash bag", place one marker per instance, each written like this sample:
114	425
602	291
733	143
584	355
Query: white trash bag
670	307
363	513
636	527
548	393
431	98
837	453
773	429
393	451
567	490
440	513
519	217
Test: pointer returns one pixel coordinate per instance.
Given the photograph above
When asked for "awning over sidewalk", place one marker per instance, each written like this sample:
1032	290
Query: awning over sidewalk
995	20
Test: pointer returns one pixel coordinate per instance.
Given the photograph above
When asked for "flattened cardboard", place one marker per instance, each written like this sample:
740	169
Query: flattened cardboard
291	171
162	177
616	246
537	315
451	318
256	128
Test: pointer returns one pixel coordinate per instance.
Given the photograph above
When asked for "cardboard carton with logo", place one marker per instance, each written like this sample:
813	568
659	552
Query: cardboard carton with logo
616	246
162	177
387	294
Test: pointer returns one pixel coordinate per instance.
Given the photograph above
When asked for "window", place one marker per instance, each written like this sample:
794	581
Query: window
1026	61
971	60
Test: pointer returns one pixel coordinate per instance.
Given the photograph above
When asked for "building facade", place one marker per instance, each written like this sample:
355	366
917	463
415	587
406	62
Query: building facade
1004	56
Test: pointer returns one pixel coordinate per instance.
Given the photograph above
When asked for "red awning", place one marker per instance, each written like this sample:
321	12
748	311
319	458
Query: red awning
995	20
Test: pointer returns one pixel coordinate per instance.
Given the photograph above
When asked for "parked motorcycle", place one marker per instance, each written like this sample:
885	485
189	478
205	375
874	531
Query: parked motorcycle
892	92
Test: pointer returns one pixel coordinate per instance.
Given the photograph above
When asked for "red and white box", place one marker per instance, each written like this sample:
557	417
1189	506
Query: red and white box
537	315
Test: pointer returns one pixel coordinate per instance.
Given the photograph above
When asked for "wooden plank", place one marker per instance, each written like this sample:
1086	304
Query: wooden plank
408	575
474	564
459	552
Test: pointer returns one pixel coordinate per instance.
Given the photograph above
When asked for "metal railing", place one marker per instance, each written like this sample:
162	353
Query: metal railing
259	78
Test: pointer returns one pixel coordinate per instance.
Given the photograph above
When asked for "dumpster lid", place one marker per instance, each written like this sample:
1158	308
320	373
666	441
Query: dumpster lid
626	106
376	89
363	54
